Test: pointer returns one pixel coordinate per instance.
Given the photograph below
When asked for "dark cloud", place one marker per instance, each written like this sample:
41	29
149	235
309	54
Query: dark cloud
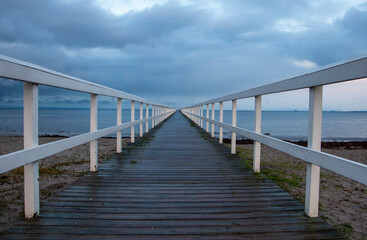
10	92
329	42
81	24
355	22
176	53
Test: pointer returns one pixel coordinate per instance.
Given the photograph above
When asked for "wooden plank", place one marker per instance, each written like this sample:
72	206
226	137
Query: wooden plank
170	223
173	210
176	230
183	216
168	205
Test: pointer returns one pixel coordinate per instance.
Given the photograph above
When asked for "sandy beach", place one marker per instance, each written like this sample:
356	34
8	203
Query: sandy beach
343	202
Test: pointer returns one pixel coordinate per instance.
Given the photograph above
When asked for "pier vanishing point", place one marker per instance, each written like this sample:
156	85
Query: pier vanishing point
175	180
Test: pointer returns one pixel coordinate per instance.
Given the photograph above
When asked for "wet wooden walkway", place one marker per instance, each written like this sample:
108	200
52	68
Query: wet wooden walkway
177	184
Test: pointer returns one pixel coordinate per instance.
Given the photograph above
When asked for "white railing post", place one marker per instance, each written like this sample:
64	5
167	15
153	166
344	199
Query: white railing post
93	127
132	134
147	116
314	142
213	116
207	116
221	120
201	115
163	112
118	122
158	118
31	172
196	118
157	113
234	123
257	145
141	117
153	107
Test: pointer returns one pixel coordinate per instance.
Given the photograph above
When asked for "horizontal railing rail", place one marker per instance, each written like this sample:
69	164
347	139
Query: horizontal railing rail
351	69
33	76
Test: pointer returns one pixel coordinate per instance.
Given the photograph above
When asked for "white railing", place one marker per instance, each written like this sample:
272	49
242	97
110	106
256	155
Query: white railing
348	70
33	76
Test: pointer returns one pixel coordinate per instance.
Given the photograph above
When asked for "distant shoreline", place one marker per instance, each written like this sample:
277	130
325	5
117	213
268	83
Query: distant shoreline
324	144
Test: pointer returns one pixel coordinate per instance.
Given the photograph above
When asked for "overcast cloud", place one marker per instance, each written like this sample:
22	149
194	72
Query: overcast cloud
182	52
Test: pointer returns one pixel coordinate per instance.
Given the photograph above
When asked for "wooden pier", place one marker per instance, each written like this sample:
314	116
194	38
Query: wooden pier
174	183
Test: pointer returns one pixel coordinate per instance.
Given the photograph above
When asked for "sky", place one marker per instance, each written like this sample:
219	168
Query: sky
182	52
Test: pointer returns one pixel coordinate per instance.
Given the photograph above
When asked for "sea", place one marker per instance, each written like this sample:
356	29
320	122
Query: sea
286	125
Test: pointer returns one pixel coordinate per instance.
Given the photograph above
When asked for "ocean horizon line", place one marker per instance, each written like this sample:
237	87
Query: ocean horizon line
105	108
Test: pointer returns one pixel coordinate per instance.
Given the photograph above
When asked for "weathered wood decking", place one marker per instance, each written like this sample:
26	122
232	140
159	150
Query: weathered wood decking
175	185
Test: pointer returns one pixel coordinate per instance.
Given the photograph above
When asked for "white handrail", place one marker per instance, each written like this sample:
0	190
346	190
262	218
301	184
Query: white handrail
351	69
33	76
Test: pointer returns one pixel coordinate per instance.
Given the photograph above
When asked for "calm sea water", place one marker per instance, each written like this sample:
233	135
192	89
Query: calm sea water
288	125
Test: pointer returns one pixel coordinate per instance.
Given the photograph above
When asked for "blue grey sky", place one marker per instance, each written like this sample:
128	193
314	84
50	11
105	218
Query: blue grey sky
182	52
